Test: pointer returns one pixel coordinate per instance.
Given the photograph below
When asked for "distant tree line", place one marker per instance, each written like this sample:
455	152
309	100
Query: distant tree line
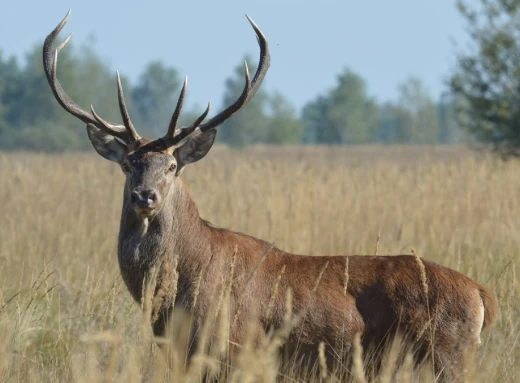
486	80
347	114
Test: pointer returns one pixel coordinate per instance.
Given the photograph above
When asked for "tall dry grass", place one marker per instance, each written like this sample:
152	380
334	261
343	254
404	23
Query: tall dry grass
65	314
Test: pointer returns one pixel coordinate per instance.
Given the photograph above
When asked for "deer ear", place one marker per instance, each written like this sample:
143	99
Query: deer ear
195	148
105	144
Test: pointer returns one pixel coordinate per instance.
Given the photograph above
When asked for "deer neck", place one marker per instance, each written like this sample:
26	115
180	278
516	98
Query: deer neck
176	231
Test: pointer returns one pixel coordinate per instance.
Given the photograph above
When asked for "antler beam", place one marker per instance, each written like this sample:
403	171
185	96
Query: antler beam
125	132
177	137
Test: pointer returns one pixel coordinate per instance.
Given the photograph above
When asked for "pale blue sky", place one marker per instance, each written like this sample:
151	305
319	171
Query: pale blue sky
311	41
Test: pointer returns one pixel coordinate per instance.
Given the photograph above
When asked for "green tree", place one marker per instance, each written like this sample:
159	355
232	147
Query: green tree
155	96
29	104
449	131
315	123
390	124
4	130
95	83
23	93
283	127
249	125
32	117
352	112
486	81
416	114
345	115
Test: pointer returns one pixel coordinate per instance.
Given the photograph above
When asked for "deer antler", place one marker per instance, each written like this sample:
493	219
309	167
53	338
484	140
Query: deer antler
177	137
125	132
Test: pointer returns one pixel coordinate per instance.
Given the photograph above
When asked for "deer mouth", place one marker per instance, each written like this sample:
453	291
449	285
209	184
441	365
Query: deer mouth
145	211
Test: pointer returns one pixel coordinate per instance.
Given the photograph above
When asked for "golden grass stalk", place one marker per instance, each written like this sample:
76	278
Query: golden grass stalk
456	214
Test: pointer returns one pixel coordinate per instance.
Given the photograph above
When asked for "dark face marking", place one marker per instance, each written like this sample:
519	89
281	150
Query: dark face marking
150	176
151	167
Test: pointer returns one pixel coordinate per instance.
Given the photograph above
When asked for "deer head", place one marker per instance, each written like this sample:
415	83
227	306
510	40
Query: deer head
152	167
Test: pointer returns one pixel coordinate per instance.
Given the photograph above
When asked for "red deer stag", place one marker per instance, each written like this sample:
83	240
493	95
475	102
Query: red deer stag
160	224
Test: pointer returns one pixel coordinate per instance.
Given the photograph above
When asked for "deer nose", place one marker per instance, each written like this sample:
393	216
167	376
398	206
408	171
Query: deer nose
144	198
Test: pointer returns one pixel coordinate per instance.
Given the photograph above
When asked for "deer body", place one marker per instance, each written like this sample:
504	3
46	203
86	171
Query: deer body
383	293
341	296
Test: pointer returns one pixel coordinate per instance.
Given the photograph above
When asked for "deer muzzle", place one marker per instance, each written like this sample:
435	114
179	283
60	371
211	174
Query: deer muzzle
145	201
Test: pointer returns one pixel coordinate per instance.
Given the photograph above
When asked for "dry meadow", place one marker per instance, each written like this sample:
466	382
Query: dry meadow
65	314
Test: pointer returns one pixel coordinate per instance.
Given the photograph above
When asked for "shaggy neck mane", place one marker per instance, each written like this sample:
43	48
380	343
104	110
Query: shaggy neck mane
176	222
175	231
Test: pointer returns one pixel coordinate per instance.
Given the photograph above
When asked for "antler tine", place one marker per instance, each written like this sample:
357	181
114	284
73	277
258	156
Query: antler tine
124	111
50	66
201	118
176	114
250	89
110	128
264	61
187	132
62	45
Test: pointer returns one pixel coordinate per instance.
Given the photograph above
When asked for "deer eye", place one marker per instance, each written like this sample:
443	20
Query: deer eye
125	168
172	167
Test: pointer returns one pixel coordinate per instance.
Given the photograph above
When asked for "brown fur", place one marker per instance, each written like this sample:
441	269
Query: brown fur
385	295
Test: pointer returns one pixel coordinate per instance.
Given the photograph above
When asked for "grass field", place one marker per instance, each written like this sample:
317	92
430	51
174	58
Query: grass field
65	314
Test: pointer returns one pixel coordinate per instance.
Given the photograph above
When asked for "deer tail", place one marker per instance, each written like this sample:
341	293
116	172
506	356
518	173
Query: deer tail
490	306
